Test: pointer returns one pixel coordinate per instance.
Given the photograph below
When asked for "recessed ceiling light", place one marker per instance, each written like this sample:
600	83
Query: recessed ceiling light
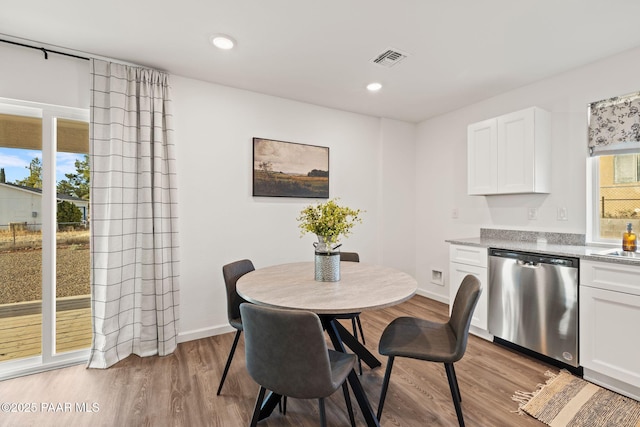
222	41
374	87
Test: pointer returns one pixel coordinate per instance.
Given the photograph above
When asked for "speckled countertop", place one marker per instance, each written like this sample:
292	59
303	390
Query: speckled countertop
561	244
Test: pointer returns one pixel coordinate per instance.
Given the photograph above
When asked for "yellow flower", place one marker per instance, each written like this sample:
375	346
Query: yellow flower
328	220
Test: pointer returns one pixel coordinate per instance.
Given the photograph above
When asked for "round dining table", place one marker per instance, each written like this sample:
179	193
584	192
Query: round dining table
362	287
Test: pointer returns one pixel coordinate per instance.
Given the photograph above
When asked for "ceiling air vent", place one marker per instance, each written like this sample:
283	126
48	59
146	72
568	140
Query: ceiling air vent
389	58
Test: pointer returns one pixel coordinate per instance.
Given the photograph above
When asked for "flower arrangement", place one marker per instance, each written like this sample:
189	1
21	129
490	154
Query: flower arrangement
328	221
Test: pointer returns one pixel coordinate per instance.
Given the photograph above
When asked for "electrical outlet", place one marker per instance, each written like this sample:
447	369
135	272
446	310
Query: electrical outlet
533	213
454	213
562	214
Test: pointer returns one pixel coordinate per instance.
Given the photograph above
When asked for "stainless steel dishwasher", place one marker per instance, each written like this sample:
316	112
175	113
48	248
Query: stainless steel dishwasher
533	302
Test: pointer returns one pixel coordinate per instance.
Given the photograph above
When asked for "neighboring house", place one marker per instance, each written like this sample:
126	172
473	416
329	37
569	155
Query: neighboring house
620	186
20	204
619	194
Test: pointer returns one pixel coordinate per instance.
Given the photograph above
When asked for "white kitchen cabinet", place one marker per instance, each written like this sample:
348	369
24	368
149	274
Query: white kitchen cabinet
609	321
482	158
510	154
464	260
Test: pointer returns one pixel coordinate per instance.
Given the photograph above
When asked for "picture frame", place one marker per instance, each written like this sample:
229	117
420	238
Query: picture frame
290	169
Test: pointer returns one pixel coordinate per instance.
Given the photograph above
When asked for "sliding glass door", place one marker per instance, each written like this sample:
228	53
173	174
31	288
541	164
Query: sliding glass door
45	314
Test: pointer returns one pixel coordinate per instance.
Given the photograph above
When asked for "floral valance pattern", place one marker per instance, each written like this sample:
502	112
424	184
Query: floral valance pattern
614	121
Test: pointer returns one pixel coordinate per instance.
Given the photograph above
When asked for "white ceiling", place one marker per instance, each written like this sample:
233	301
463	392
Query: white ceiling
320	52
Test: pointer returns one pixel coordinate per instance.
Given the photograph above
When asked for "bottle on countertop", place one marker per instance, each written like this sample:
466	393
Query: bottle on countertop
629	240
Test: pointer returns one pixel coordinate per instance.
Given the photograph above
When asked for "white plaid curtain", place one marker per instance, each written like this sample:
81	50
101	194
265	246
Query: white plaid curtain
134	245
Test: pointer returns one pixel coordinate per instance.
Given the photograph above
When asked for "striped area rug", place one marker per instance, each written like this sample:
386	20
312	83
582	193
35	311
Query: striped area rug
566	400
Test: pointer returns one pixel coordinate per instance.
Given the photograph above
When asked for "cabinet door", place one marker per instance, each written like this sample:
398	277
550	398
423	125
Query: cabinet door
457	272
482	158
516	154
609	341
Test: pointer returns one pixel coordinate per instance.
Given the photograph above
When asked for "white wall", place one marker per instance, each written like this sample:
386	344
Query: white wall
408	178
27	76
220	220
441	163
397	204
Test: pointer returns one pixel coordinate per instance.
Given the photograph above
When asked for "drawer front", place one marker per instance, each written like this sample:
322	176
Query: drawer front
610	276
470	255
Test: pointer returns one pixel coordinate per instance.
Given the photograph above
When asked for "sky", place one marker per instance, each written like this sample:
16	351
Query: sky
290	158
16	162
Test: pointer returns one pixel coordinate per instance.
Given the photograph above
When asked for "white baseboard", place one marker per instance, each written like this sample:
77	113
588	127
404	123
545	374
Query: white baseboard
433	296
204	333
605	381
480	333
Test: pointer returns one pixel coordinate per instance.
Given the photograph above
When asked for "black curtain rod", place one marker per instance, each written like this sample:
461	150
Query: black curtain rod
44	50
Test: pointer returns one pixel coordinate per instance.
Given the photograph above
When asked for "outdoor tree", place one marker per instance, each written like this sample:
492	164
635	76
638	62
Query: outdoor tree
266	167
77	184
318	172
68	213
3	178
34	179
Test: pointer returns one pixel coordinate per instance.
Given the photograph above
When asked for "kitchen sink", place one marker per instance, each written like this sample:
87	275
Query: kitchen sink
620	253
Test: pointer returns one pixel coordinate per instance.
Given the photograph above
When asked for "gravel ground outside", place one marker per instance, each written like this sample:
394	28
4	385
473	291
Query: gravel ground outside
21	272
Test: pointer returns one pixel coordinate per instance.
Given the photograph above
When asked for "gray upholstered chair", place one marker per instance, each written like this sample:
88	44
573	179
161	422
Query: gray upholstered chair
356	324
286	353
349	256
431	341
231	273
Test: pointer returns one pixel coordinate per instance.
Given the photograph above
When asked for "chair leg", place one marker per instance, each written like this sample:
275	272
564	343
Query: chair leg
347	400
385	385
226	367
256	409
284	405
455	391
360	327
455	378
323	416
355	335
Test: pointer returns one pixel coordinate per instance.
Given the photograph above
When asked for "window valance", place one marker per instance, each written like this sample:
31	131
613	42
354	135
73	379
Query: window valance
614	125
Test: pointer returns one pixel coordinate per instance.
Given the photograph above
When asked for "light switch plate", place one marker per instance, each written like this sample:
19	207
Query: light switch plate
533	213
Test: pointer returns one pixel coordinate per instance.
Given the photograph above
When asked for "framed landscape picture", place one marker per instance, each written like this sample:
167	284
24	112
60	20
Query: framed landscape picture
288	169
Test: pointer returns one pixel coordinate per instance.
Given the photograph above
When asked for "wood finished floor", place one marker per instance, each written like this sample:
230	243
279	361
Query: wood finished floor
179	390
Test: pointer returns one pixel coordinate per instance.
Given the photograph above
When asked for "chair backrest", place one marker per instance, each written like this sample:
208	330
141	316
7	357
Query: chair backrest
286	351
462	311
231	273
349	256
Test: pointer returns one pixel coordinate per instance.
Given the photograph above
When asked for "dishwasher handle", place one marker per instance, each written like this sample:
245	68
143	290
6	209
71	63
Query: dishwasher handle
527	264
535	258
